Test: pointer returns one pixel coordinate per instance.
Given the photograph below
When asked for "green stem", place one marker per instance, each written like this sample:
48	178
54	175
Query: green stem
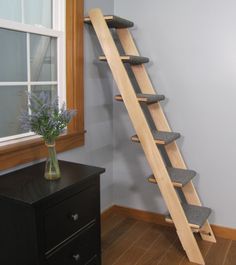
52	170
54	162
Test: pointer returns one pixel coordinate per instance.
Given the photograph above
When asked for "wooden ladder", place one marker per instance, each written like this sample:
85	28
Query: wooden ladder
187	217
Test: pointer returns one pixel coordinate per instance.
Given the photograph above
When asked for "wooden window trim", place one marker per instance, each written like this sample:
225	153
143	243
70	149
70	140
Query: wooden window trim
14	153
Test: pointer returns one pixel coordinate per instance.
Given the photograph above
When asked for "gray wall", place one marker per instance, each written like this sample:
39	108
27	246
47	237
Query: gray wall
192	46
98	150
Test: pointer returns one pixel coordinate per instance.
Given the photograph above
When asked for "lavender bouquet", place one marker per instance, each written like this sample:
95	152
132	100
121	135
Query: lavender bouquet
45	118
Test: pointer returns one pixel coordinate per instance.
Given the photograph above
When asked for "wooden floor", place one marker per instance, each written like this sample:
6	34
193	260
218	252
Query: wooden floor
126	241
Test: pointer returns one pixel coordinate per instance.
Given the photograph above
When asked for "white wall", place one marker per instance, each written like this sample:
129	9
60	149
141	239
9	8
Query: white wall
192	46
98	149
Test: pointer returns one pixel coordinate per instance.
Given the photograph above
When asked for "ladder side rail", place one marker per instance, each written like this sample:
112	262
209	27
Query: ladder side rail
146	139
161	124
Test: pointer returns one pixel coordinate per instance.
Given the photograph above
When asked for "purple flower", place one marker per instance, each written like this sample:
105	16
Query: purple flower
44	117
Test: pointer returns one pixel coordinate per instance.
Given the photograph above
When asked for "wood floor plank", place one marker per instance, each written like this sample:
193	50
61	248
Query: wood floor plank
126	241
166	239
174	255
204	247
134	253
112	221
131	256
218	252
116	249
118	231
231	256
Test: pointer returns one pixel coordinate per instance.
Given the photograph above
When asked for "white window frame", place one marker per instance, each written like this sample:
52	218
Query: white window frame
57	31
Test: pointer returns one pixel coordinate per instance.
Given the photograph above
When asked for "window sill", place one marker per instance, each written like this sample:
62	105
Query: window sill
14	153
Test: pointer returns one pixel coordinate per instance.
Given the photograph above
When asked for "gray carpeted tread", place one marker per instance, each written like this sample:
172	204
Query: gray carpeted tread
179	177
160	137
146	98
149	98
196	215
182	176
131	59
118	22
136	60
114	22
166	137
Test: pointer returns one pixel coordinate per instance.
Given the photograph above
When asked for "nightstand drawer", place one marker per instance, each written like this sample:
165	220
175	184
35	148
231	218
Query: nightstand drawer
67	217
80	251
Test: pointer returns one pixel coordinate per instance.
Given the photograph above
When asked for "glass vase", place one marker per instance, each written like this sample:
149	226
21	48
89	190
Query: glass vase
52	170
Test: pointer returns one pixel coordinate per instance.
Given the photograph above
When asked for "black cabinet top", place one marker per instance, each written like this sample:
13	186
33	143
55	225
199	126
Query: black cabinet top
29	186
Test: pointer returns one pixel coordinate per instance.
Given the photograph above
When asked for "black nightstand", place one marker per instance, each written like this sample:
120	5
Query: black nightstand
50	223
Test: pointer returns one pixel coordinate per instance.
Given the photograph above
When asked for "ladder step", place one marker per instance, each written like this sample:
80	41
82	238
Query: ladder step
196	215
179	177
146	98
131	59
114	22
160	137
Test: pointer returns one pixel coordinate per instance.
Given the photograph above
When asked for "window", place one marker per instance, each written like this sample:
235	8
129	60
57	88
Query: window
34	57
31	51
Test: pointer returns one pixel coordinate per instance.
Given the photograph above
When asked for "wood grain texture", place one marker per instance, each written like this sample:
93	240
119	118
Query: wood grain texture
204	247
110	222
145	216
33	149
224	232
144	133
173	255
156	244
218	252
152	180
107	213
115	234
87	19
125	241
156	218
75	61
146	98
231	257
136	139
161	123
159	248
14	153
138	249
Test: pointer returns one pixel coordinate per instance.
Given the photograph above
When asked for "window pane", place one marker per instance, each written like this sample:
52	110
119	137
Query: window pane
13	63
50	90
13	100
10	9
38	12
43	58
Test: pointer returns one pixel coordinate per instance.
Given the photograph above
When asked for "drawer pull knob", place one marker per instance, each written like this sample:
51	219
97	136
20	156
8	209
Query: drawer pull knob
76	257
75	217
